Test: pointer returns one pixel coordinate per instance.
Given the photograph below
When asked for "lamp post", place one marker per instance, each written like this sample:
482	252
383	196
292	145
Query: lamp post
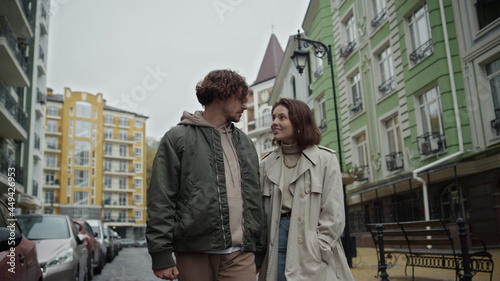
300	58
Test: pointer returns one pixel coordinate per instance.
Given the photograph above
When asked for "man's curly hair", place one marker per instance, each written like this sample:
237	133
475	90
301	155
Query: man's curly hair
221	84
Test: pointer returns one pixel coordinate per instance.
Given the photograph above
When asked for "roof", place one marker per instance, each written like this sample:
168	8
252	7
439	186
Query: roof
60	98
271	62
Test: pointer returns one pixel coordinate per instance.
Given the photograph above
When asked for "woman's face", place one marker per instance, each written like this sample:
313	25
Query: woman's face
282	126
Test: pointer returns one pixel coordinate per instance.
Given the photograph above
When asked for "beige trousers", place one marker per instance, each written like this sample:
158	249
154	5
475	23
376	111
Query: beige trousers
236	266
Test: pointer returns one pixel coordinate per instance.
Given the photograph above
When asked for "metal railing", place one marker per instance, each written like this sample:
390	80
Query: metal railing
387	86
41	97
12	106
422	52
9	168
431	143
495	123
395	161
379	18
37	141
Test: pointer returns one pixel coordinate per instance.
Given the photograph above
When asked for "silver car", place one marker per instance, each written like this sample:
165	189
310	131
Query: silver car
62	253
98	228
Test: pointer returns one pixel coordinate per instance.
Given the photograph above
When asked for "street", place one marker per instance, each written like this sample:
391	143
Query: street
132	264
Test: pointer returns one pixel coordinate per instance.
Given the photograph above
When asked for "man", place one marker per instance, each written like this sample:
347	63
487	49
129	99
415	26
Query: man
204	200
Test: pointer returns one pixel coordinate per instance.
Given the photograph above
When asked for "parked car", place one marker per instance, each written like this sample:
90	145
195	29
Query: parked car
110	256
141	242
18	255
98	229
62	252
127	242
93	247
117	241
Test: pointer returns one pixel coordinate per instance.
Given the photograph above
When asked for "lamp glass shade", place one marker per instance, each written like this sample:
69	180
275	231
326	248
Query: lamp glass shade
300	59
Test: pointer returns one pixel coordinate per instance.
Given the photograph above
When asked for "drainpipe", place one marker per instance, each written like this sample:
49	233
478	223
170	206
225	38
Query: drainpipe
457	119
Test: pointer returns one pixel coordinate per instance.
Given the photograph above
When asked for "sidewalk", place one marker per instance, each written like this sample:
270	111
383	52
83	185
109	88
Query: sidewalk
365	268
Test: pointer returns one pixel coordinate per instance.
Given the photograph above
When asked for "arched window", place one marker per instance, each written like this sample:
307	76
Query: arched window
452	203
266	117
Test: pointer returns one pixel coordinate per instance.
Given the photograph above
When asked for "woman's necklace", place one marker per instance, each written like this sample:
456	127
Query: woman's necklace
289	166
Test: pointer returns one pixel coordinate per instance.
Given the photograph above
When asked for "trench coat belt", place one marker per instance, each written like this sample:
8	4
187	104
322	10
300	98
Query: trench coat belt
286	215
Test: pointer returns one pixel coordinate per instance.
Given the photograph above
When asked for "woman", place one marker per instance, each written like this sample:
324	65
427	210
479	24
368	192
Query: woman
303	199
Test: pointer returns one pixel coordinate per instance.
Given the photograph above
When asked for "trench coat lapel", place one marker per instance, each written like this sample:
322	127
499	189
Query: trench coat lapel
273	170
308	158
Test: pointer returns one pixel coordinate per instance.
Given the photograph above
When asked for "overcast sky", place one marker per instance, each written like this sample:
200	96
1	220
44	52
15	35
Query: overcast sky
146	56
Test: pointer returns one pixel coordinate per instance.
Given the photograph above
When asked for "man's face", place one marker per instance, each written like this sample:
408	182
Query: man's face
234	107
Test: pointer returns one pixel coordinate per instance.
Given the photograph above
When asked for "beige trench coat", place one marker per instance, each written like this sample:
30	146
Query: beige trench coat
314	251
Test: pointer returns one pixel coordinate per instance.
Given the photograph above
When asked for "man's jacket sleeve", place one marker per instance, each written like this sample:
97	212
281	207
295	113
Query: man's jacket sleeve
161	204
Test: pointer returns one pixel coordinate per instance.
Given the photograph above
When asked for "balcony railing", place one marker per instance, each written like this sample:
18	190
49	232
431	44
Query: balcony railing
37	141
387	86
422	52
9	168
495	123
12	106
347	50
107	219
34	191
394	161
259	123
357	106
41	97
379	18
27	10
431	143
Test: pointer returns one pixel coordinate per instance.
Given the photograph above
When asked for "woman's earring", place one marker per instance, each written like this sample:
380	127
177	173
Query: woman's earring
298	131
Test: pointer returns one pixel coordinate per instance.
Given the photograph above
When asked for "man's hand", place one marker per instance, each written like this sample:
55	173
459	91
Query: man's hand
170	273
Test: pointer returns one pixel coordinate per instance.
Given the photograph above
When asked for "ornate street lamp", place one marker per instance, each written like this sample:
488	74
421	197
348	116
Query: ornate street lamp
300	58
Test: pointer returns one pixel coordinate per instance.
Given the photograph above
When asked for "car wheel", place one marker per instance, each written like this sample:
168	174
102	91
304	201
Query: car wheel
100	266
90	263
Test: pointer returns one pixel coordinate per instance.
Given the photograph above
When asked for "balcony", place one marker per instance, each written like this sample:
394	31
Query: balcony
260	124
12	116
53	130
495	123
387	86
120	139
119	172
44	26
422	52
117	156
37	153
394	161
357	107
53	148
14	66
52	184
360	173
431	143
379	18
9	168
41	61
20	16
348	49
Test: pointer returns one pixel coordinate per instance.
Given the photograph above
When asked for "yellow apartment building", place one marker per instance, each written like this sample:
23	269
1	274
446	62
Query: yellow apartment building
95	162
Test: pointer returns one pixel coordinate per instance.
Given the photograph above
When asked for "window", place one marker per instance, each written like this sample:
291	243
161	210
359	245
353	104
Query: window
363	156
123	134
81	178
137	152
82	153
82	129
123	166
123	121
386	71
122	215
108	133
123	150
138	167
394	159
123	199
122	182
452	203
138	183
493	75
51	142
138	136
50	178
350	27
107	198
379	12
83	109
138	215
138	123
108	119
107	165
50	160
81	198
49	196
321	113
356	97
52	126
267	118
52	111
107	181
487	11
420	34
432	140
138	199
108	149
268	144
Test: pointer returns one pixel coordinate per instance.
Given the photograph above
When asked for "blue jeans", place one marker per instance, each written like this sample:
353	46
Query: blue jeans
283	239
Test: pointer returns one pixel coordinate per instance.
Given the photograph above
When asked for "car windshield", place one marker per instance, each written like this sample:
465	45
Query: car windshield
41	227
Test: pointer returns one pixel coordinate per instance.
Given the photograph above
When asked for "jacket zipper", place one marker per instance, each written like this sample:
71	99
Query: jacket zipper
218	189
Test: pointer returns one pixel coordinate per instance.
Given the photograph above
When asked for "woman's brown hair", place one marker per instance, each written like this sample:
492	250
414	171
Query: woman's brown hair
306	133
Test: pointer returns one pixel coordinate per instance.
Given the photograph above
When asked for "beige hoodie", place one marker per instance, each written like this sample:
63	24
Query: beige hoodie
232	173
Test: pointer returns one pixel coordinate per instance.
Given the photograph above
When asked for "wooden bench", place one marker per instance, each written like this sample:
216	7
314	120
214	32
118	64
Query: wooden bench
428	244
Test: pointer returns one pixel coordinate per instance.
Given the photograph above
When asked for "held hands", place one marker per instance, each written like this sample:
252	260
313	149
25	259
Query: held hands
170	273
